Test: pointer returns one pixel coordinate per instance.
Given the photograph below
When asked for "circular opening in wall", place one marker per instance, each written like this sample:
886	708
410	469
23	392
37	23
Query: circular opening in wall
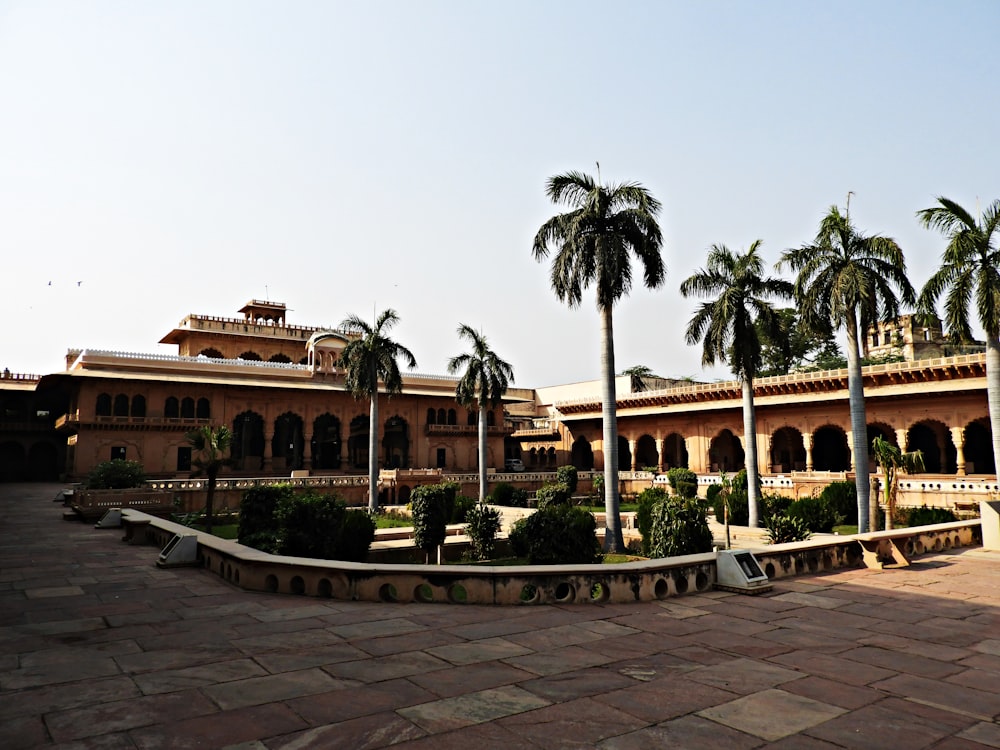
600	592
661	589
918	547
937	545
298	585
908	547
948	543
769	570
812	563
852	555
424	593
387	593
680	583
564	592
457	594
271	583
325	588
701	581
529	594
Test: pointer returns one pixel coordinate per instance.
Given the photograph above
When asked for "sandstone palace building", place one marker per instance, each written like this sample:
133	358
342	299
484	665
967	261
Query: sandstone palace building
280	388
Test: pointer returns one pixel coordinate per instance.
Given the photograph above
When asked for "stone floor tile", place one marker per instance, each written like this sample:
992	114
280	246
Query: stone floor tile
23	732
150	661
36	675
452	681
684	733
380	730
833	692
294	660
341	705
473	708
579	723
372	629
583	683
420	641
833	667
772	714
167	681
387	667
902	662
983	732
664	699
987	681
949	696
882	726
488	649
743	676
220	729
489	736
43	700
563	635
47	592
554	661
255	691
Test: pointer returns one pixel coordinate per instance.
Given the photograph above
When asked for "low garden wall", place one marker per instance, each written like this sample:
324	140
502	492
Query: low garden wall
648	580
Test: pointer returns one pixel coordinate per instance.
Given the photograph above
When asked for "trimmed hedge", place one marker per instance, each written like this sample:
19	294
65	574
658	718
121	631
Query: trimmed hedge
557	535
117	474
321	526
678	526
258	526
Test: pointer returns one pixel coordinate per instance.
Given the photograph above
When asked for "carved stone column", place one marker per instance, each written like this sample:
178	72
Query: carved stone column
958	438
901	438
807	442
850	449
659	454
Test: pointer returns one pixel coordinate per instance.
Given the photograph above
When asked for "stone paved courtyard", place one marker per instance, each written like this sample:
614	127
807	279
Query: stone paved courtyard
100	649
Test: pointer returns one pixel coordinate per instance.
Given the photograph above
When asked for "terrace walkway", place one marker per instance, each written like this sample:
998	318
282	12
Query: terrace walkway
100	649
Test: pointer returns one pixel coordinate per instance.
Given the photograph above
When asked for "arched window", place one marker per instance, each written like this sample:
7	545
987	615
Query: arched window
204	409
103	405
121	405
250	356
490	418
138	406
172	408
442	417
452	417
211	353
280	358
470	418
431	416
187	408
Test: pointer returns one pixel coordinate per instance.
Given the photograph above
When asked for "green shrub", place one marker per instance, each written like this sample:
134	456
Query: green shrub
502	494
924	516
117	474
782	529
518	537
552	493
842	498
483	524
684	482
739	508
643	515
309	525
773	504
712	495
258	526
461	507
567	475
678	527
432	506
816	514
558	535
355	536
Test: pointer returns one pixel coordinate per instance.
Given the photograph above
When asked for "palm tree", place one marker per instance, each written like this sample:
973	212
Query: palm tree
484	383
970	270
850	280
729	326
593	243
892	460
367	359
211	446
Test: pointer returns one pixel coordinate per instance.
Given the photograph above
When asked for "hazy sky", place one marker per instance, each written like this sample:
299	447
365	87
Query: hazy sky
165	158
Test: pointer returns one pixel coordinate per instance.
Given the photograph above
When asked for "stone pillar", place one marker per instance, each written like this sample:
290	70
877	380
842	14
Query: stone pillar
631	450
850	449
901	438
807	442
958	438
659	454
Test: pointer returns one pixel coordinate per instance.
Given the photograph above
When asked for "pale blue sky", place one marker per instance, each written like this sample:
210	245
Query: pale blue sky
184	157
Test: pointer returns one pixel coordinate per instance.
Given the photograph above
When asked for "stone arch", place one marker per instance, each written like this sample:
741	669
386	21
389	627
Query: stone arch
187	408
471	418
248	441
357	443
490	419
120	408
675	452
442	416
624	454
582	454
281	358
645	452
203	409
452	417
431	416
138	408
788	450
830	451
533	457
725	453
12	462
979	448
171	408
250	356
325	444
211	353
103	406
43	462
932	438
288	441
882	430
396	443
550	455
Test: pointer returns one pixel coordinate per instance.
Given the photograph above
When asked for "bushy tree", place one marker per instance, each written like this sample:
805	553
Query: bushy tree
568	476
815	514
211	454
683	481
678	527
843	499
117	474
258	525
557	535
482	526
321	526
644	514
430	506
552	493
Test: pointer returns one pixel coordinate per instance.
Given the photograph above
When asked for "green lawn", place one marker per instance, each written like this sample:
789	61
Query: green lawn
222	530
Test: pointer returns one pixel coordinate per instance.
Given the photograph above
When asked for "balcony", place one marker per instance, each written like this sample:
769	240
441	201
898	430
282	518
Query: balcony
464	429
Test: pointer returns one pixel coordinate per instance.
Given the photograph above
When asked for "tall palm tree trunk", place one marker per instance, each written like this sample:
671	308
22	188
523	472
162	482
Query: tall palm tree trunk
373	455
482	453
613	539
859	425
993	392
750	452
